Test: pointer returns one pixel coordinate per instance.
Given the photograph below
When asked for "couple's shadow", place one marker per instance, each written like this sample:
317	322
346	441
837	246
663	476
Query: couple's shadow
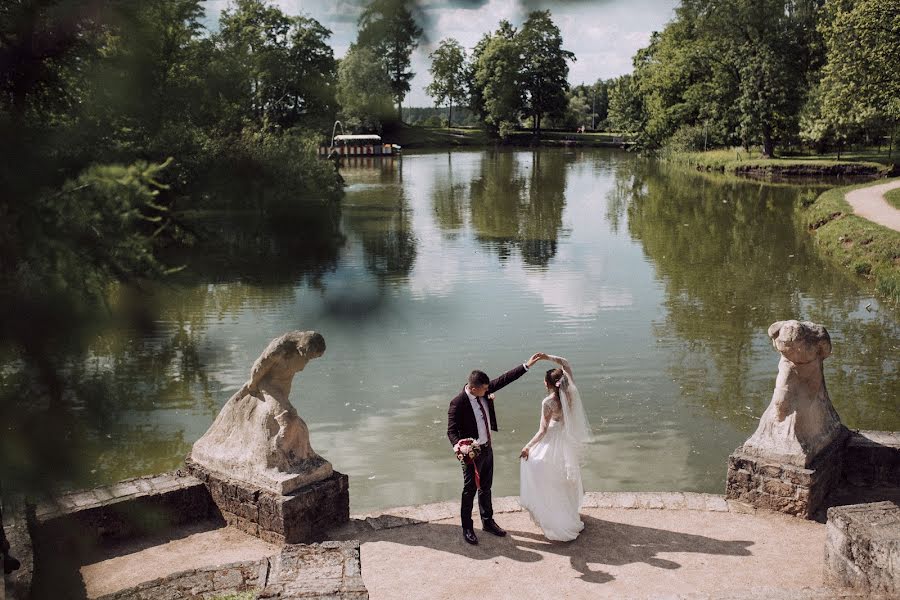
601	543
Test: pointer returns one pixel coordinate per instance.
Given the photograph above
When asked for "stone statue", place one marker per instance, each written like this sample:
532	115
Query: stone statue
258	436
800	421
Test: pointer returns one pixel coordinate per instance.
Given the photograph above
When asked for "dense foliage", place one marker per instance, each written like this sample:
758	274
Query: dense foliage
512	77
116	119
770	73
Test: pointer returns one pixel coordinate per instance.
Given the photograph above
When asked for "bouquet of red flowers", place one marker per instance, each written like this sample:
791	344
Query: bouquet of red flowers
466	450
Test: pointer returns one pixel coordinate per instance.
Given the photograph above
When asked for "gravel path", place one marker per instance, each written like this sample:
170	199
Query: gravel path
869	203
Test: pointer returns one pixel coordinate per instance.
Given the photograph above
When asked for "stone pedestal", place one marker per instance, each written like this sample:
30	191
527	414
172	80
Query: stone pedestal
299	517
862	547
774	485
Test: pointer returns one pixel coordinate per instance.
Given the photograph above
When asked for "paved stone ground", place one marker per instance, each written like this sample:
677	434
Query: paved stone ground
642	545
869	203
635	545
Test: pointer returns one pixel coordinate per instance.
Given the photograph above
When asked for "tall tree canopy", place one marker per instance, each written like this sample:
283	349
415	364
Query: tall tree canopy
363	90
448	72
387	27
284	64
545	69
497	78
861	78
742	68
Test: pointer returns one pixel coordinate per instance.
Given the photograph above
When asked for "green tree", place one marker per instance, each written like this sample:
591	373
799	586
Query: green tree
448	69
545	69
284	65
626	107
387	27
740	68
497	78
364	89
861	79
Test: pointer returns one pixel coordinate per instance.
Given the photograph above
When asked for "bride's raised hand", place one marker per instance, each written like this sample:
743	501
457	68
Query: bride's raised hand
524	453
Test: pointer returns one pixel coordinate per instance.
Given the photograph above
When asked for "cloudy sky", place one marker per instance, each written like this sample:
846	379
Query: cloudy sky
603	34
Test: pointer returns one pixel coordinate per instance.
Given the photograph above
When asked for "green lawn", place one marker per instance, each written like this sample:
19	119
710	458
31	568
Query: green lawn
893	198
867	249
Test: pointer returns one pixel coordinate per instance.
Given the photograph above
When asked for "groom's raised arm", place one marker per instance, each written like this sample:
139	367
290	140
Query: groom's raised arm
513	374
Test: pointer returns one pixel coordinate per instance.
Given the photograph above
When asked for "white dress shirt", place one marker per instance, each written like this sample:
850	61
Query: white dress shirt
479	420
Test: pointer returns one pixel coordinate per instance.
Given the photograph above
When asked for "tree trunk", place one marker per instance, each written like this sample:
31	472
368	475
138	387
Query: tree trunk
399	112
450	116
768	144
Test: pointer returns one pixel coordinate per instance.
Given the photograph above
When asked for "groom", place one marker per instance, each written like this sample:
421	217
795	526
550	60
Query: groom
471	415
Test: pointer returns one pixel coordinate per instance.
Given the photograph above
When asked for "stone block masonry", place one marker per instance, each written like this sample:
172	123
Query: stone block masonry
128	508
872	460
327	571
862	547
781	487
63	532
303	516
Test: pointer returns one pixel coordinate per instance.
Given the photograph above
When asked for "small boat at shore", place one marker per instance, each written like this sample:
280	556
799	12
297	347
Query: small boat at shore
358	145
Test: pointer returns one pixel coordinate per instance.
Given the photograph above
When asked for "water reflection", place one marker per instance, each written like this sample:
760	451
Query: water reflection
657	283
517	201
733	261
377	213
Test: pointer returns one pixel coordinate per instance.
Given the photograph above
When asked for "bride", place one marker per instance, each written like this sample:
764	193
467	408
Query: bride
550	474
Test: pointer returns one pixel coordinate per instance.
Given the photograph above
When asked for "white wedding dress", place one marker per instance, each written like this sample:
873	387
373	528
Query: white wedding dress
550	479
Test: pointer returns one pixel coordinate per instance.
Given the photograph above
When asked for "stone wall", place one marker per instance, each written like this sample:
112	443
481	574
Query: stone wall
872	460
327	571
129	508
782	487
862	547
303	516
205	583
67	530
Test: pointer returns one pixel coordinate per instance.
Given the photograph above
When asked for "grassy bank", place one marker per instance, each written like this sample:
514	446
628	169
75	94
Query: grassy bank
893	198
867	249
413	137
869	165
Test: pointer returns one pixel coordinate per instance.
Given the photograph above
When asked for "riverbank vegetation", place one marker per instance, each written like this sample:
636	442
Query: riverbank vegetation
115	119
864	248
777	74
743	162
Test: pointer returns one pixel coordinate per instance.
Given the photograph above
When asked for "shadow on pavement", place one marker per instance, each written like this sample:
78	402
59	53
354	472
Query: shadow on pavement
601	543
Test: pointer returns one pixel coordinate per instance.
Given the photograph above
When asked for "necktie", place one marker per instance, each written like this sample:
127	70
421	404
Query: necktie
487	424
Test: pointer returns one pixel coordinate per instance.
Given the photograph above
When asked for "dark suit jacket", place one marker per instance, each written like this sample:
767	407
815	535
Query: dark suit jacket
461	421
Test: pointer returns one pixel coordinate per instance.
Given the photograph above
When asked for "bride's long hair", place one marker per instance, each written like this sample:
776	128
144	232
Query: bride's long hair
575	423
552	379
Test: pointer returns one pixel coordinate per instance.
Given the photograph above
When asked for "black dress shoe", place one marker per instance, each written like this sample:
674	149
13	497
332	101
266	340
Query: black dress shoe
469	536
491	526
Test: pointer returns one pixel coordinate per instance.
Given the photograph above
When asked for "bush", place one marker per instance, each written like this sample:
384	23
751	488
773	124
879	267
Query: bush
687	138
506	129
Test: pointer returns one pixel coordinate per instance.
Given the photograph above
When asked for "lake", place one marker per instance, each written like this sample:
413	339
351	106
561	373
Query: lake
656	282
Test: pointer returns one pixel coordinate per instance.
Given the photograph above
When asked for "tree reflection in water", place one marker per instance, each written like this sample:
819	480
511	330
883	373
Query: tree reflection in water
517	202
146	355
380	219
733	262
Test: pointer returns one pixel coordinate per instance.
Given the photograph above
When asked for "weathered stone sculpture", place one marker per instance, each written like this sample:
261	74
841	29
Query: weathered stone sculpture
800	421
795	457
258	437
